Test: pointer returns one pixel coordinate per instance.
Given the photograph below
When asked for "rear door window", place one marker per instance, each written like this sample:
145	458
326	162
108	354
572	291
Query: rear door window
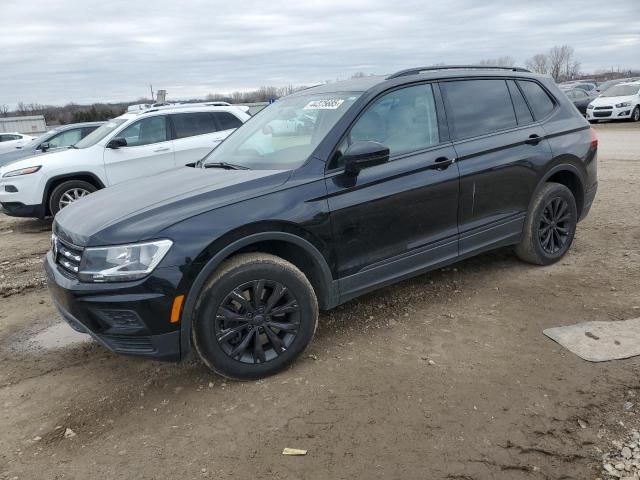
478	107
226	120
523	114
191	124
538	98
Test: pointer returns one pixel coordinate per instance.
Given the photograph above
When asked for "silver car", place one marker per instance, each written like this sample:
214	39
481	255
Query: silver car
58	138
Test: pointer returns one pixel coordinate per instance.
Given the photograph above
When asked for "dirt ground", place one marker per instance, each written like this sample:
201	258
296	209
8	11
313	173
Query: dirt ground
446	376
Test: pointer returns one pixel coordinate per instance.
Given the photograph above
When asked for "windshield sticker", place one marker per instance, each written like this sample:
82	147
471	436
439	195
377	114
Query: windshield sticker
328	104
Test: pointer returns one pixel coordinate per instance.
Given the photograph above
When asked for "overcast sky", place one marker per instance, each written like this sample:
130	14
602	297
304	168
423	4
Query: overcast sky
57	51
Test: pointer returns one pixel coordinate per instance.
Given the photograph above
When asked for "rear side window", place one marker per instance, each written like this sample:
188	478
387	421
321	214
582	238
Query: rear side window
523	114
191	124
226	120
538	98
477	107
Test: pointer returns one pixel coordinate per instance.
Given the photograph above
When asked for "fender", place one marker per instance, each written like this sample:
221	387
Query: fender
99	183
330	295
563	167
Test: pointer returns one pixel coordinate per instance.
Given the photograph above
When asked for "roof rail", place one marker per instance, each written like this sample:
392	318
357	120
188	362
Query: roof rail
417	70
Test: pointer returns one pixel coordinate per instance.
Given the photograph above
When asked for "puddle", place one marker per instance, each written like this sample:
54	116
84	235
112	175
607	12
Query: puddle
55	337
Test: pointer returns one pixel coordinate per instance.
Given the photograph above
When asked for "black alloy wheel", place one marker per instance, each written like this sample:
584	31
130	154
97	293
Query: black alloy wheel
554	227
257	321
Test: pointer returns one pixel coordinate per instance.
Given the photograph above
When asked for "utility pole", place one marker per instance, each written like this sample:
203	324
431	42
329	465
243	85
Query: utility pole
151	87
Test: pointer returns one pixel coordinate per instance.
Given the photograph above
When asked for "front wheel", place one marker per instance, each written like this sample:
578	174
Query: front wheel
68	192
635	115
254	317
550	225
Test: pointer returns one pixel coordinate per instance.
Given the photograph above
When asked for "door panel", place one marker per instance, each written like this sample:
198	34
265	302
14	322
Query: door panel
392	209
402	208
498	175
149	151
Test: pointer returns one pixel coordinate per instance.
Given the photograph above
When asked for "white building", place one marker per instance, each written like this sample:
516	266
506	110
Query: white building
29	125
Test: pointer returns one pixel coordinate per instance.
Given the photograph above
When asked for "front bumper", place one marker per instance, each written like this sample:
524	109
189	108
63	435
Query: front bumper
612	113
18	209
128	317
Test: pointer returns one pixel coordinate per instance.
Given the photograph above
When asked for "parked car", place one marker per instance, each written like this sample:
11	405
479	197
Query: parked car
55	139
622	101
587	87
580	98
11	140
136	144
604	86
398	176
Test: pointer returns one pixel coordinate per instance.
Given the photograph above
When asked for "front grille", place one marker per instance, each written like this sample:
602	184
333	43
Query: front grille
601	114
603	108
67	256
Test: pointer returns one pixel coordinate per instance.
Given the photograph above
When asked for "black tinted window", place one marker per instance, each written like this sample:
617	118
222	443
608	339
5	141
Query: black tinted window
520	106
477	107
227	120
190	124
538	99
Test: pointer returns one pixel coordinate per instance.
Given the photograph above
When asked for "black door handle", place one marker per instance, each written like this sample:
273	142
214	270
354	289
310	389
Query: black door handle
533	139
441	163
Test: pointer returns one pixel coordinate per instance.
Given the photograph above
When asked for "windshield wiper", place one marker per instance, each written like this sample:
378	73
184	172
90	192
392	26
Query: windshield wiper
73	146
225	165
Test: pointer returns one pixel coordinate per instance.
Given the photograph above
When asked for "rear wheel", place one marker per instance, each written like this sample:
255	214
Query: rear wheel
550	225
68	192
254	317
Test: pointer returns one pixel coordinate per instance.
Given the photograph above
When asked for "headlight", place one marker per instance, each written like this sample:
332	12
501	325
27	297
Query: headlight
618	105
590	106
22	171
121	263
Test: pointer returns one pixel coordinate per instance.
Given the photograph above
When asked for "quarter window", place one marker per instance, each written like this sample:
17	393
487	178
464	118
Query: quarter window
478	107
146	131
226	120
190	124
538	99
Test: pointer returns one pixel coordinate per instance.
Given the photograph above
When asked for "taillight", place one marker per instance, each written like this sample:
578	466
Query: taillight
594	139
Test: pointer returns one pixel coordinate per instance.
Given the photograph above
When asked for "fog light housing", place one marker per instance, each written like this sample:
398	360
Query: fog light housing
11	189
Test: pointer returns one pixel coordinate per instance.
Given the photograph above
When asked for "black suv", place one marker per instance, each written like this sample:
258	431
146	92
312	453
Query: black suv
327	194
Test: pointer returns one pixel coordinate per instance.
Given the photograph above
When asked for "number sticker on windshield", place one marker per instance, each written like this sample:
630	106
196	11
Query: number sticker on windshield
328	104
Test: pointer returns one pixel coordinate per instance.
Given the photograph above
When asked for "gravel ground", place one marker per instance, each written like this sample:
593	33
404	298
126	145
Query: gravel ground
445	376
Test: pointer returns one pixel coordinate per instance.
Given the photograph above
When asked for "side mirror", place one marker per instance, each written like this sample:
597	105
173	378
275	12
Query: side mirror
44	146
117	143
363	155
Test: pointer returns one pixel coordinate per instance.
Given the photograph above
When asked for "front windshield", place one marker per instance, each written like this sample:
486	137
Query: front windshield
621	91
100	132
283	135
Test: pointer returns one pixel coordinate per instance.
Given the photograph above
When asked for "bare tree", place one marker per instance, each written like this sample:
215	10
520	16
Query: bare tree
562	64
505	61
539	63
4	109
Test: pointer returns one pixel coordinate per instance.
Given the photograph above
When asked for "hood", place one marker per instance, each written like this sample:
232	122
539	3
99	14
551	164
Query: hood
17	154
31	159
139	209
612	100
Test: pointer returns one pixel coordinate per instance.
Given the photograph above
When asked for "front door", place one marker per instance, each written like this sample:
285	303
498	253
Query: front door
393	219
149	150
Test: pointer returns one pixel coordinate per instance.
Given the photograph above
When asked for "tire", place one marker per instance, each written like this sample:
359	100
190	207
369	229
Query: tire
249	326
635	115
66	191
545	242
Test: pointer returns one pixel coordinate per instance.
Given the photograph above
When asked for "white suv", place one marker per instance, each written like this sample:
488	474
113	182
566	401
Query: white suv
133	145
622	101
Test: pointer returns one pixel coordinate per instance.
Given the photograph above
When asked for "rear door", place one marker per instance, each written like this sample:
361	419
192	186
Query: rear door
394	218
227	123
499	149
149	150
